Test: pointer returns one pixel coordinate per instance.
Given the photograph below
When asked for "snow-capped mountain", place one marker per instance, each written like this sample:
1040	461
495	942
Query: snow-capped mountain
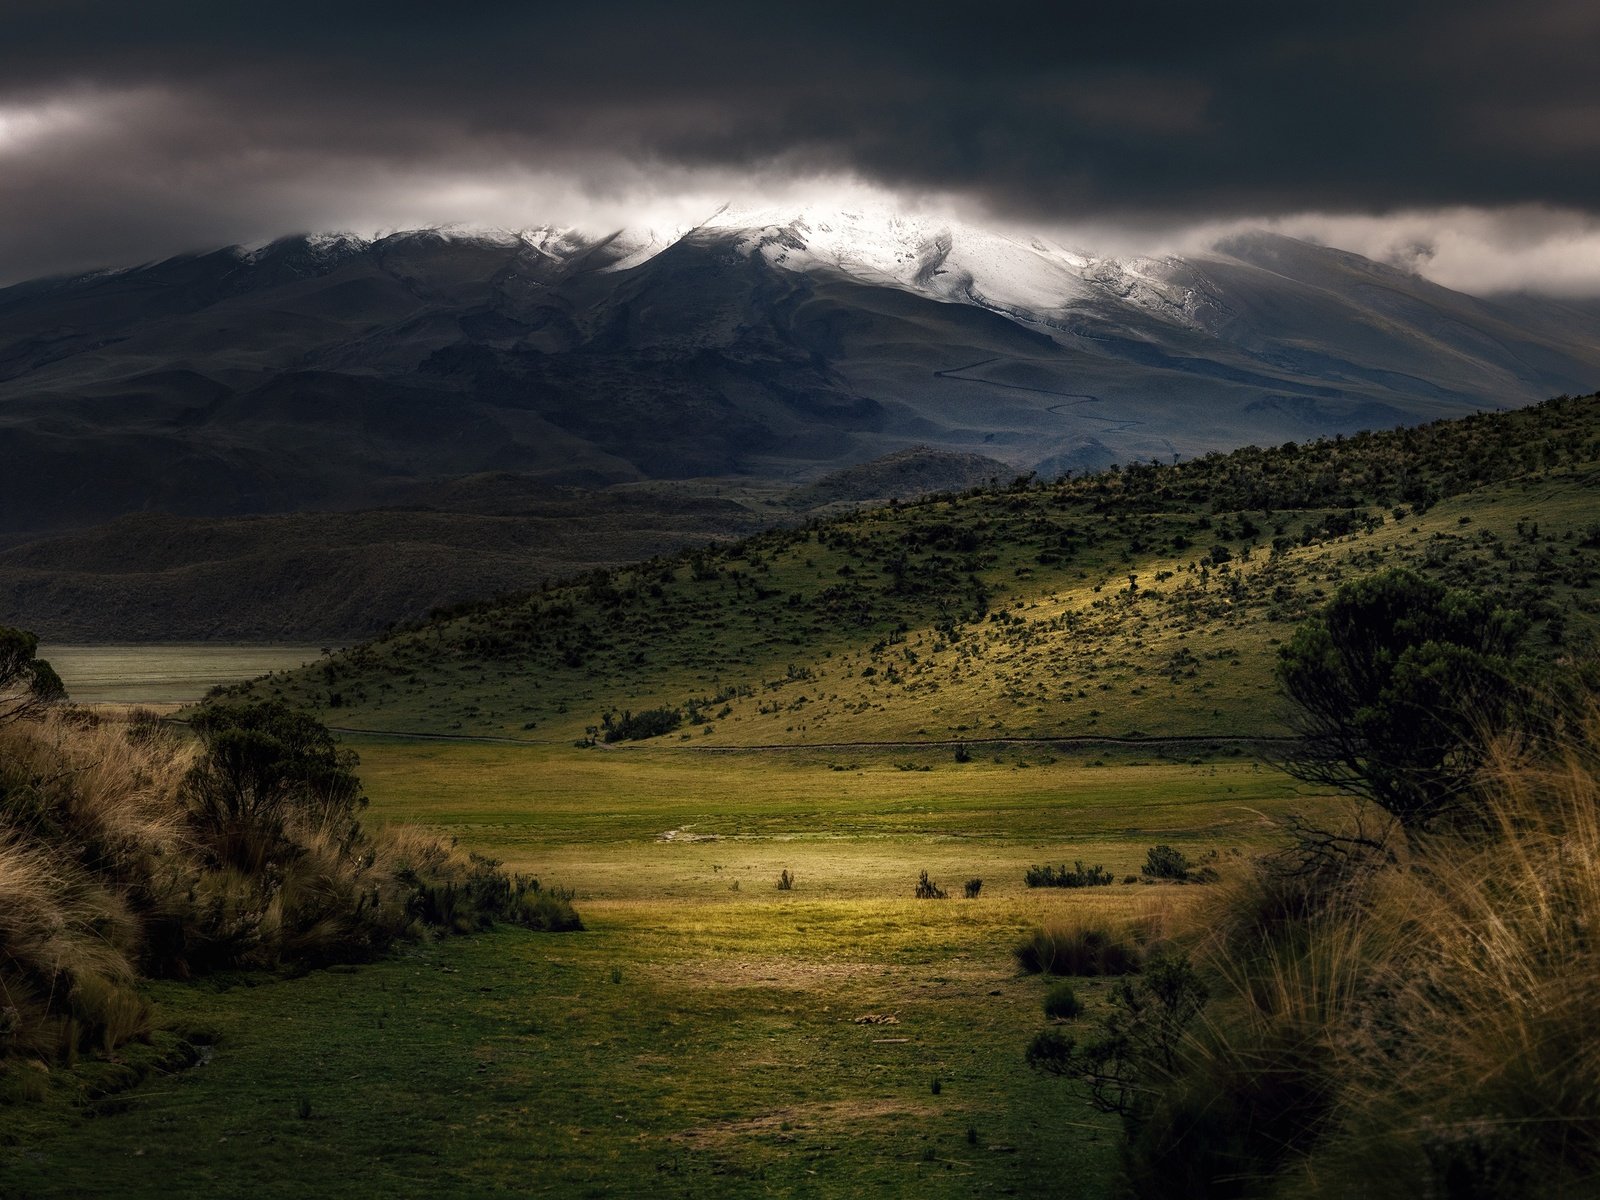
326	370
1030	278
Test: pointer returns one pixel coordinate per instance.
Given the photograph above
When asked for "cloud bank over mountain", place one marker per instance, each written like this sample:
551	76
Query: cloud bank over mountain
1461	136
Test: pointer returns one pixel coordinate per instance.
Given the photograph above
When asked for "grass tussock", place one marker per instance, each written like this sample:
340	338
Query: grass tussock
129	851
1412	1020
1090	945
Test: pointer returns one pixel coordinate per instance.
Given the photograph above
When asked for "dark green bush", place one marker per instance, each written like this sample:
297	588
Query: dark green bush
1163	862
1051	1050
632	727
1061	1002
1395	684
1060	877
267	767
27	683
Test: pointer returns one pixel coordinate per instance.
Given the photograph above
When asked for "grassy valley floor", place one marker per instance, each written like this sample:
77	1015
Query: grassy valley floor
703	1035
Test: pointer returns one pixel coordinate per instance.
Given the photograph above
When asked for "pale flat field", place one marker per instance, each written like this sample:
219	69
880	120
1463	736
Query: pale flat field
164	673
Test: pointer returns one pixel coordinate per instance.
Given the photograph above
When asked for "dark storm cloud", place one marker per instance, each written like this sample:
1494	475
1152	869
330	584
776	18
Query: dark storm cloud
124	126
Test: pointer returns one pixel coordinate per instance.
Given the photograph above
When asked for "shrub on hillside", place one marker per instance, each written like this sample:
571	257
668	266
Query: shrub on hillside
1395	685
632	727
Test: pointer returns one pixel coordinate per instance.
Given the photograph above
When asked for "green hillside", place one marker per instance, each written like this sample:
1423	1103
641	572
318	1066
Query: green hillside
1144	601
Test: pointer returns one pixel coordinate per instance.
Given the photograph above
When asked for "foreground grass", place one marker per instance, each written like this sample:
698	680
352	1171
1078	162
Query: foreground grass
699	1038
668	1051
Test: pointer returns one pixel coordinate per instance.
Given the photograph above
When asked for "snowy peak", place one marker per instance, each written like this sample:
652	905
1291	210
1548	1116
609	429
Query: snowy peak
1030	278
944	259
1026	278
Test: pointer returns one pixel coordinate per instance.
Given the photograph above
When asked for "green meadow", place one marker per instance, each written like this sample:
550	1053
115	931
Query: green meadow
706	1033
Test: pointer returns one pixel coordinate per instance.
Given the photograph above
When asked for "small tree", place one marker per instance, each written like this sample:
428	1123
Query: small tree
1395	685
266	765
27	683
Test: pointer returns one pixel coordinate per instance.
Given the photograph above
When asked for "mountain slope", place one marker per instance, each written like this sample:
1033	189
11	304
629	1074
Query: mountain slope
330	376
317	372
1145	601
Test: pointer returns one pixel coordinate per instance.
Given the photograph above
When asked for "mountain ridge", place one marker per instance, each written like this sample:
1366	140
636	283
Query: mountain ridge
332	373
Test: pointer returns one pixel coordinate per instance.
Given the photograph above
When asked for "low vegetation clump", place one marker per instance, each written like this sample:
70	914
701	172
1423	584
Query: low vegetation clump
1085	948
468	898
1060	877
633	727
971	888
1165	862
130	851
1061	1002
927	889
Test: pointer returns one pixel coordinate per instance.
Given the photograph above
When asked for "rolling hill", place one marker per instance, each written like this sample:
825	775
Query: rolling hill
1136	602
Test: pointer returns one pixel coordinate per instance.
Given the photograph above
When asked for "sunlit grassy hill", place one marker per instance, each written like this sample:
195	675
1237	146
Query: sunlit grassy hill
1141	601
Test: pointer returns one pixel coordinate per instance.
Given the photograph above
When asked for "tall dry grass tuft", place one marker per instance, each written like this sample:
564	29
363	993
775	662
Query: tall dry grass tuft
84	819
1422	1022
121	856
1095	943
1484	1076
67	951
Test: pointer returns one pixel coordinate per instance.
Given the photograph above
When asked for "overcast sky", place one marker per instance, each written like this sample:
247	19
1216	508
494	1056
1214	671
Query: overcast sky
1460	137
